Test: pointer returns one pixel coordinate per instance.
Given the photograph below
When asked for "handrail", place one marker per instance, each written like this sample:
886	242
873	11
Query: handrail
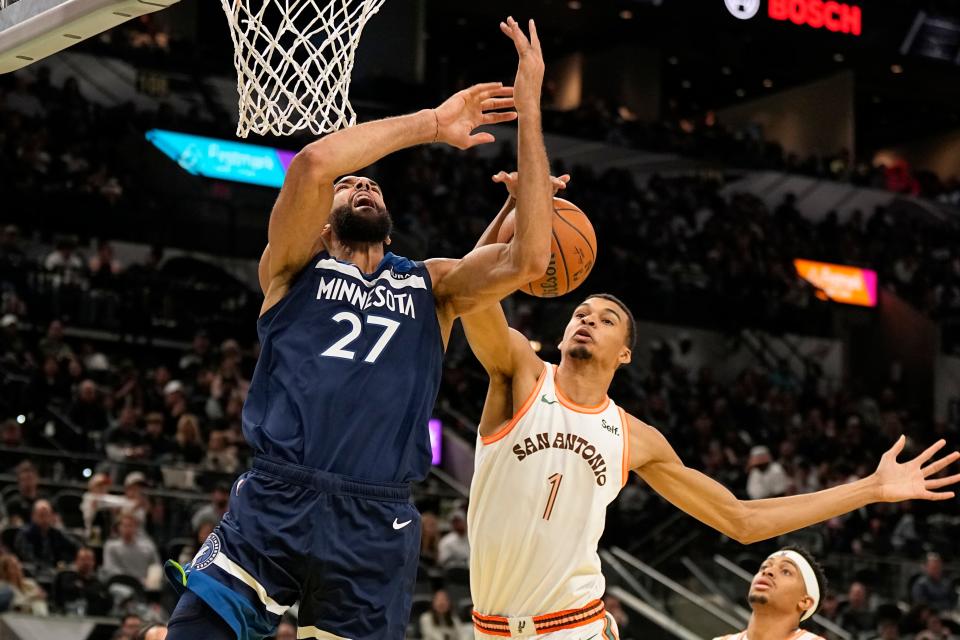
829	625
711	586
677	588
450	481
660	619
632	582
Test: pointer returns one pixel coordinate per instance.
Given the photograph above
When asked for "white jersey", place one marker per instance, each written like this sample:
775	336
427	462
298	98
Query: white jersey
799	634
538	503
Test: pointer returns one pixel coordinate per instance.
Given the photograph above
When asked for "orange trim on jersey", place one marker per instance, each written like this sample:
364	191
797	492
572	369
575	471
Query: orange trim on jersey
507	428
546	623
570	404
626	445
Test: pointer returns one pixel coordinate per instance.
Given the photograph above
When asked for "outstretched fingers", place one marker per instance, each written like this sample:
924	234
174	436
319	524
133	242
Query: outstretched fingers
498	117
939	483
534	38
941	464
930	451
513	31
480	138
492	104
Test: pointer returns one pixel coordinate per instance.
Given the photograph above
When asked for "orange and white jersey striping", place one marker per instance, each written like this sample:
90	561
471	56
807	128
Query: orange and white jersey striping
538	503
799	634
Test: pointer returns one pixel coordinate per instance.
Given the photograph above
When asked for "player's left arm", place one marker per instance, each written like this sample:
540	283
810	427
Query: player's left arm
749	521
491	272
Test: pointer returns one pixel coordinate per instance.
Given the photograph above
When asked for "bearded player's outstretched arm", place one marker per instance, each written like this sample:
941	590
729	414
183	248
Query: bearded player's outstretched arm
748	521
489	273
303	206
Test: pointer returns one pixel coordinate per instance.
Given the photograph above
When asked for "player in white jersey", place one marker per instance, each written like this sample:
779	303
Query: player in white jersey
785	593
553	451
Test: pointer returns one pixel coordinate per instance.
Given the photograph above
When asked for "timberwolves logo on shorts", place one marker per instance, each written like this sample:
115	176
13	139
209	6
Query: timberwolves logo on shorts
743	9
207	553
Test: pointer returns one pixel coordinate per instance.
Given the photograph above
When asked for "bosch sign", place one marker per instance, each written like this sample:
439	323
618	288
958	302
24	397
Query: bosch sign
833	16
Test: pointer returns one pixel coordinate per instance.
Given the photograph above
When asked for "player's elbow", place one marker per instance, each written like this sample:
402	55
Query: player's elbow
531	264
738	523
312	161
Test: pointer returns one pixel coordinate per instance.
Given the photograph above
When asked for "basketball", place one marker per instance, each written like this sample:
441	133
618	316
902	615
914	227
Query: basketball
573	250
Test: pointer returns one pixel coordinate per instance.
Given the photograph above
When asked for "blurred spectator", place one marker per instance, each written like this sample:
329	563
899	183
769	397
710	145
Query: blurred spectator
155	440
130	553
130	626
199	355
212	512
53	344
81	591
188	445
936	630
97	506
286	631
454	548
766	479
40	543
887	630
49	386
855	613
615	609
28	597
429	538
931	588
221	457
87	411
175	403
124	442
19	500
153	632
440	622
133	490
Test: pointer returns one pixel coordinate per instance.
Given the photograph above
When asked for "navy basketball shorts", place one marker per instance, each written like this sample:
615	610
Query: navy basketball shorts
346	550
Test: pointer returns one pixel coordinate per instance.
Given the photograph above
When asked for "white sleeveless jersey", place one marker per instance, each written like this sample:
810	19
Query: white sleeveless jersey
799	634
538	503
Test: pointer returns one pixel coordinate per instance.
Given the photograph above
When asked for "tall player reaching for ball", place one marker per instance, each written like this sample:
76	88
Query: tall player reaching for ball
553	451
352	341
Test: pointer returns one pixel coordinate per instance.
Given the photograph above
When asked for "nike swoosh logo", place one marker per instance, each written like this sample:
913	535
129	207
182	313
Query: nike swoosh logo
592	637
544	400
400	525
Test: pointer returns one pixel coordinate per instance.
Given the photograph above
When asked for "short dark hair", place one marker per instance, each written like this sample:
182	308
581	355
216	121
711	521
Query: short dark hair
817	570
631	321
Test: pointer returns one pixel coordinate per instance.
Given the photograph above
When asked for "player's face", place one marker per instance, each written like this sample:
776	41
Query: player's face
359	213
597	331
779	585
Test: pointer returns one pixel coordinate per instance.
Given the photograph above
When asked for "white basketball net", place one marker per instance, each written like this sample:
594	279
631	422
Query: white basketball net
293	71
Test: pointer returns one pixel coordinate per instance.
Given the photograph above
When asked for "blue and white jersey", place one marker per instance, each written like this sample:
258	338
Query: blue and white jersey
348	372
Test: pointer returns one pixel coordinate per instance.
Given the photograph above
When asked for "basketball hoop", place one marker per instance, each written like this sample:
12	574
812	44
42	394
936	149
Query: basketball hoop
294	59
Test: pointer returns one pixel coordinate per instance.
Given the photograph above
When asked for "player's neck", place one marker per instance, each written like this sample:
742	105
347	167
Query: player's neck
585	382
770	627
366	256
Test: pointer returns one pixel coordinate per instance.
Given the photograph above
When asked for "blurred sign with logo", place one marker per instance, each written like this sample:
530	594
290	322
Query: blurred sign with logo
840	283
838	17
224	159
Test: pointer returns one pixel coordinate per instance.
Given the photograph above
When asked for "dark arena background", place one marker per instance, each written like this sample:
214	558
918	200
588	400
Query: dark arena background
775	187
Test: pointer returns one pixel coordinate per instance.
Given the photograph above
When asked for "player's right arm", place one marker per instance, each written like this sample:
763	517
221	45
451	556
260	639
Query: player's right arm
303	206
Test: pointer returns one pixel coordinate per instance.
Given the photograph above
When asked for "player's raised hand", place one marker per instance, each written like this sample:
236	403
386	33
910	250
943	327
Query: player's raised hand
509	180
530	69
915	479
466	110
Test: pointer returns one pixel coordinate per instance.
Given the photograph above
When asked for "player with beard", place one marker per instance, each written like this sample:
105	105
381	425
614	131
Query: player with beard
553	450
785	593
352	339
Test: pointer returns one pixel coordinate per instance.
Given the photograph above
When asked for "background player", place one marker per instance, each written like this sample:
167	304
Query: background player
352	340
785	593
553	451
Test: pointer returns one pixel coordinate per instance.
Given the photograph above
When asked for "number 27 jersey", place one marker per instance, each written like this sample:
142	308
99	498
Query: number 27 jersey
348	372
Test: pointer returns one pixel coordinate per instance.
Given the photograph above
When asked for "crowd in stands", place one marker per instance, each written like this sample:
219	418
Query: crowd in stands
143	439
